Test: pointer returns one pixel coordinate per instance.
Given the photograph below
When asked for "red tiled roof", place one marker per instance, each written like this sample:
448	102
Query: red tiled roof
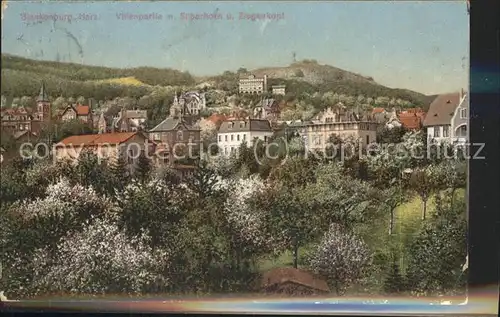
378	110
82	110
217	118
410	122
95	139
290	274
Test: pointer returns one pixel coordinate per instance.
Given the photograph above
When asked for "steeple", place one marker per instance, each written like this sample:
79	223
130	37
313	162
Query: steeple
43	97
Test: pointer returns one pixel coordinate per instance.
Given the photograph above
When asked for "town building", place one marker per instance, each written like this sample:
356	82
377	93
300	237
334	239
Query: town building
253	85
189	103
278	89
109	146
25	119
381	115
342	124
447	118
459	122
412	119
130	121
124	121
176	137
78	112
232	133
267	109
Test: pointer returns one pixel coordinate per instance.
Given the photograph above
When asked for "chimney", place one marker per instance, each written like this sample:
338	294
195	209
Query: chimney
461	93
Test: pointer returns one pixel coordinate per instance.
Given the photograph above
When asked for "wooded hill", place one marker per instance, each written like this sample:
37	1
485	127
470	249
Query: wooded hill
22	77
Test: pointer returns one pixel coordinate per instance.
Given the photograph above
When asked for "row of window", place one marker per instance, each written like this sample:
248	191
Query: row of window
233	136
230	125
340	126
446	132
460	132
23	127
179	136
318	140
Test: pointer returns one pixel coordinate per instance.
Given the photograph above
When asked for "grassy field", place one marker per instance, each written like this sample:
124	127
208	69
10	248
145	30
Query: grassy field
130	81
376	235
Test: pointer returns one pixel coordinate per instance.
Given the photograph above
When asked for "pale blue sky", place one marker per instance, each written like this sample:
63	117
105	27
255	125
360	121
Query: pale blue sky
421	46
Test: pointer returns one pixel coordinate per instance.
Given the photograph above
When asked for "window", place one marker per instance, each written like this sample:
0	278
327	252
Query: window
316	140
446	131
244	137
237	137
232	137
367	139
130	156
180	135
461	131
225	138
436	132
463	113
220	138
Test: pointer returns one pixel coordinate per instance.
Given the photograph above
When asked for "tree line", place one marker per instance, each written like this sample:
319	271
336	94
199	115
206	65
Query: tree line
212	230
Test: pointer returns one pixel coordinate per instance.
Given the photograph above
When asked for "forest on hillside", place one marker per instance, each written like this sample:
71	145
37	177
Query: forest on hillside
155	88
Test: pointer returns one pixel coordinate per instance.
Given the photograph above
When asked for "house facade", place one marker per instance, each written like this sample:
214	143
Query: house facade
175	136
109	146
21	119
253	85
232	133
192	103
78	112
267	109
130	121
459	122
278	90
447	111
340	123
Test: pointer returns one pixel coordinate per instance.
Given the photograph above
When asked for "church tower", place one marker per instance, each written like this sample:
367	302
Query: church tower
43	105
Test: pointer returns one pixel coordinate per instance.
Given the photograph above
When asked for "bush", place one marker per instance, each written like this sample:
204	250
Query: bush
437	254
341	258
394	282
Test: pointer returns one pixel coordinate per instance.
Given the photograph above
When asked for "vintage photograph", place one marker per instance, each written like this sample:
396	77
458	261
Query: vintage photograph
249	149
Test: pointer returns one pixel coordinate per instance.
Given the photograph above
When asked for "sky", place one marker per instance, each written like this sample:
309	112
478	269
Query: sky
422	46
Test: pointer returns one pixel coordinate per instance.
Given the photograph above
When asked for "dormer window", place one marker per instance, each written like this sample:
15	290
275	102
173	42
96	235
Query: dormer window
180	135
230	125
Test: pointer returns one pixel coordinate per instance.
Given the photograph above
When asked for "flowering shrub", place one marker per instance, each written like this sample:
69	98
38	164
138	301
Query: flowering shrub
247	221
63	198
208	130
341	257
101	259
41	224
